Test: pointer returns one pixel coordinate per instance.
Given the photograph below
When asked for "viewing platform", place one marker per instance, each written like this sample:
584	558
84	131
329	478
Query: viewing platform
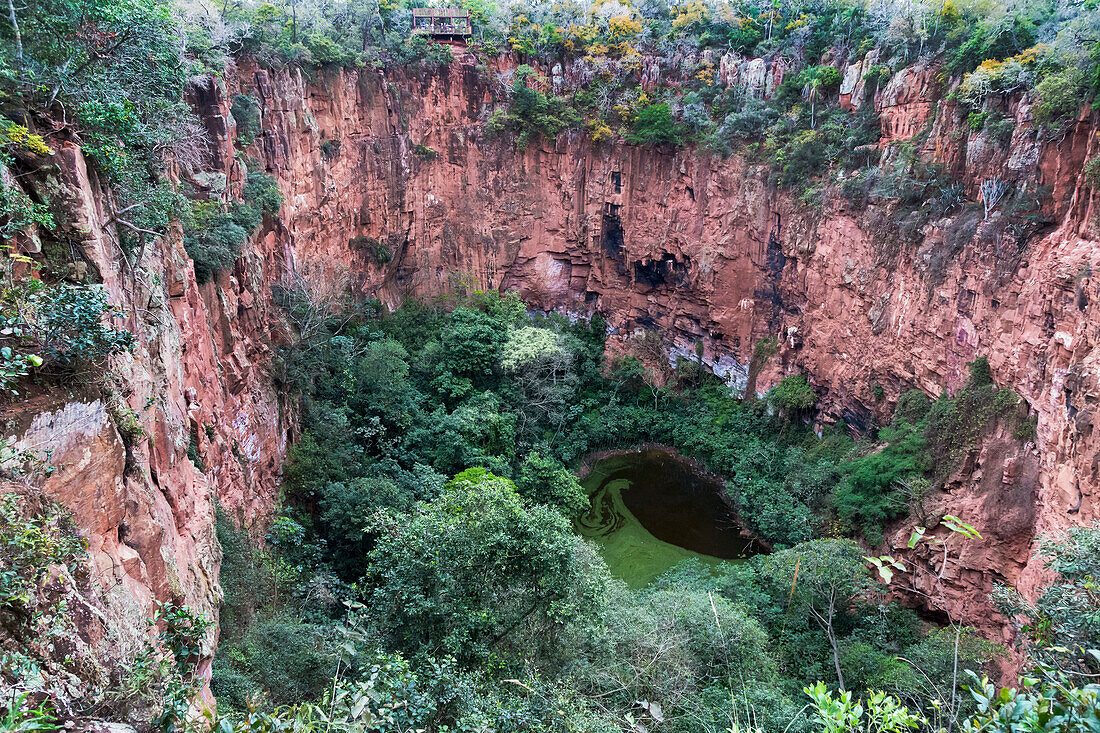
449	24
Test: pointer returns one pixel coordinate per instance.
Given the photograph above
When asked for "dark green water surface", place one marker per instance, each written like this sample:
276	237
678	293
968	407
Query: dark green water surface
652	510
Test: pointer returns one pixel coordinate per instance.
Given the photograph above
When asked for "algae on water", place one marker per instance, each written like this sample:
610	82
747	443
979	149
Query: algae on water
639	495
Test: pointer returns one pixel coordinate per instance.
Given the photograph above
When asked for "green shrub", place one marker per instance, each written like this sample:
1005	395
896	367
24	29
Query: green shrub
68	325
991	41
323	51
19	213
194	454
1092	172
876	75
261	191
292	661
376	248
330	149
31	540
1058	97
418	48
655	125
544	481
976	120
213	236
532	113
362	241
800	158
765	349
825	78
793	394
423	151
873	493
42	560
246	113
1000	129
956	426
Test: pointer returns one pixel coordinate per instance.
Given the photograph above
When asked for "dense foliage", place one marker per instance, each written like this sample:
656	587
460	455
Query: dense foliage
477	583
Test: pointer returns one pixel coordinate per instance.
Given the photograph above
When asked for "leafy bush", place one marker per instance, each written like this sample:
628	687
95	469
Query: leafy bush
330	149
293	662
261	191
1063	625
213	236
19	213
246	114
532	113
654	125
1058	97
873	491
1092	172
825	78
1052	701
923	438
68	326
324	51
31	540
793	394
18	137
419	49
378	249
213	239
544	481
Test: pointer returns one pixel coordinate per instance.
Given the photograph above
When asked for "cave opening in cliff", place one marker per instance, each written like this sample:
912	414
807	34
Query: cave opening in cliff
651	509
612	237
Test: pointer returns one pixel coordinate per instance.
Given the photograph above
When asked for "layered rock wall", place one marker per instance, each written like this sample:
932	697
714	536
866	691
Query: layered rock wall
213	426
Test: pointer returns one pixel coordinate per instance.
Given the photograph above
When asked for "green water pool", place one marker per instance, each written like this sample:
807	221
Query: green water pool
652	510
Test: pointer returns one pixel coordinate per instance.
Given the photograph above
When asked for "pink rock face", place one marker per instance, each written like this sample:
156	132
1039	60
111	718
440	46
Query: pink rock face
908	101
701	248
145	509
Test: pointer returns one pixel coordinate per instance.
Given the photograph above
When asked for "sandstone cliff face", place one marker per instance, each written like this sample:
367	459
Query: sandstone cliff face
703	249
192	380
700	248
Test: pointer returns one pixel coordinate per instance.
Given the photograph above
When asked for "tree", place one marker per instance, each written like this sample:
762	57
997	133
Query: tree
654	125
544	481
823	577
1064	623
542	369
471	342
477	574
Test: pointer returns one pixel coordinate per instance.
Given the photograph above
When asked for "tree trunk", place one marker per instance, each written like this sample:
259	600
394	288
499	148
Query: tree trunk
832	643
18	36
